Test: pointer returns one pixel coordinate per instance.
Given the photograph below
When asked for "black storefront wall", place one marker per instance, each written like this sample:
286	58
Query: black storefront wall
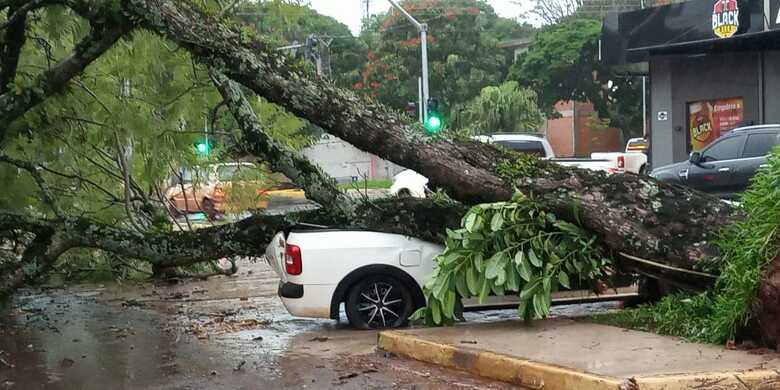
689	63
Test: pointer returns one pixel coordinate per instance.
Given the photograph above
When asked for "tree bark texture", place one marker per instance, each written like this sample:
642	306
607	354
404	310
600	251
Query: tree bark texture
766	310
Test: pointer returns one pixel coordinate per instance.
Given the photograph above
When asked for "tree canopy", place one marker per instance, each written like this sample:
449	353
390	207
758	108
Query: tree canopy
562	64
462	51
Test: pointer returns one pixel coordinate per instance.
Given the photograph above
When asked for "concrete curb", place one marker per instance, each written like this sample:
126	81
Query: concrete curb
535	375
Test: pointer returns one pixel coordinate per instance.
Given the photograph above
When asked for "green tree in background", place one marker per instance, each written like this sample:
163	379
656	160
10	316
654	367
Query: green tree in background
505	108
462	51
562	64
290	22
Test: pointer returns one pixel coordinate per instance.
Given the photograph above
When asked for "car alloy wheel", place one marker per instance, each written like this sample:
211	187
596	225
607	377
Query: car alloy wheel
380	302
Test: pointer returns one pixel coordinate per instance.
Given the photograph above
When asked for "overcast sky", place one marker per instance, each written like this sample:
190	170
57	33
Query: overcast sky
349	12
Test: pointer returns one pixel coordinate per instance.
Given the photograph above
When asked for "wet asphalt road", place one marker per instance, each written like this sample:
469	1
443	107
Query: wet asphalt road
224	333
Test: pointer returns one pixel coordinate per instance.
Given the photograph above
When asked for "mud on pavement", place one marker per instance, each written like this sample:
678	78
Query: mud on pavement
227	332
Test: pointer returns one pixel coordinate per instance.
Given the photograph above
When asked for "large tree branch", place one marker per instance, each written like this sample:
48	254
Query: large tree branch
11	44
318	186
98	41
35	171
366	124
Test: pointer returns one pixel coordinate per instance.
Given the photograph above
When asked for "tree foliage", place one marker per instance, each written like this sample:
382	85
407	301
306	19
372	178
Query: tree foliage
462	51
290	22
562	64
510	248
505	108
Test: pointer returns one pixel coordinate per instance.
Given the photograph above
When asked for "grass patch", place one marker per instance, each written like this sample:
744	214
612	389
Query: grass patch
367	184
675	315
746	248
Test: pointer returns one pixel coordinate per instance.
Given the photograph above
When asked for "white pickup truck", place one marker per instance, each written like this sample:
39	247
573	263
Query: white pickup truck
410	183
613	162
377	276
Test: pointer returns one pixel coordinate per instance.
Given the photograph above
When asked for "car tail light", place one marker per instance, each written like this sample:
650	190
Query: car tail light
292	260
621	162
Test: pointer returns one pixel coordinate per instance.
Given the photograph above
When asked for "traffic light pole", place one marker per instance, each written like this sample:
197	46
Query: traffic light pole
424	47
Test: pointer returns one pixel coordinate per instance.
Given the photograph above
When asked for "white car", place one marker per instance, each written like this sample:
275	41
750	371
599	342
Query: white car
409	183
377	276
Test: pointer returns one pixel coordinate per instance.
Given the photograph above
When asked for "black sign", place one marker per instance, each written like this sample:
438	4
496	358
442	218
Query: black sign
691	21
774	14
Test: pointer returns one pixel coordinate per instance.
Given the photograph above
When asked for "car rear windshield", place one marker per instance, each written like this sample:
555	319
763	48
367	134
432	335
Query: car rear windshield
760	144
529	147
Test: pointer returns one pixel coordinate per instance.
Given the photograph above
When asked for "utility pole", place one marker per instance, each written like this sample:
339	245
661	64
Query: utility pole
366	10
317	51
644	92
423	28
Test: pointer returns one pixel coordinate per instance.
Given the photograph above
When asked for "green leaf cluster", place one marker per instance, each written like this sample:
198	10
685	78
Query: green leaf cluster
506	108
509	248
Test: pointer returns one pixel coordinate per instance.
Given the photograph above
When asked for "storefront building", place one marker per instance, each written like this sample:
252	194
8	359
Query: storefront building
713	65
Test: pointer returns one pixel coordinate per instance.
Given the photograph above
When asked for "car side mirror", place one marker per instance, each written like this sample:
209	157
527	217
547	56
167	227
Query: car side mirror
695	158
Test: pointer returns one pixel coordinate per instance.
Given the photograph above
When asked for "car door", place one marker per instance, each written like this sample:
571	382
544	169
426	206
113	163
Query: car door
754	156
715	172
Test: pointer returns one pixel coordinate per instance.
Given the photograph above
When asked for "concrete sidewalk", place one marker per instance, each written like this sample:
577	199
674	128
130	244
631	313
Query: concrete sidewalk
562	354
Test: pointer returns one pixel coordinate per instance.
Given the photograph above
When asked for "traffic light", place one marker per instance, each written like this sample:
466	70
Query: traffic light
434	123
203	147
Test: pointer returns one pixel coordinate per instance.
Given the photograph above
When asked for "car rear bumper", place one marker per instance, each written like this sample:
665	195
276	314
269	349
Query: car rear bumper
306	300
290	290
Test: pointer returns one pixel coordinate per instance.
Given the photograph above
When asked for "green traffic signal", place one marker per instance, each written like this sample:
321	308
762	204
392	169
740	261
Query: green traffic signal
433	124
202	147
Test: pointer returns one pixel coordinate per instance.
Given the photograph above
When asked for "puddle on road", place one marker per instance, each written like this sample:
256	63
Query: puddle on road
141	337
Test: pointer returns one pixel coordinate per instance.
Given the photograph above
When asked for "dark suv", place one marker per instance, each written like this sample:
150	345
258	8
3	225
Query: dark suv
725	166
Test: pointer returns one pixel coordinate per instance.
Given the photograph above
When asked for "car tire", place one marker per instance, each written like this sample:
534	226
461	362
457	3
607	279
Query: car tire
379	302
404	193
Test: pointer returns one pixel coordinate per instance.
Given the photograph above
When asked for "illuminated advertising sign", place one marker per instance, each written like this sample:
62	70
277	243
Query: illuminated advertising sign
725	18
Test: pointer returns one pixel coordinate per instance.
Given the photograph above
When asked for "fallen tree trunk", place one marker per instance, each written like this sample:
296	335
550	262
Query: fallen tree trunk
631	214
246	238
766	309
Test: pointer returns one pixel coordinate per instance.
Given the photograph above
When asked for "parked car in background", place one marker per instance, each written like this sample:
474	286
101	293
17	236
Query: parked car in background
377	276
613	162
725	166
208	190
410	183
639	145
